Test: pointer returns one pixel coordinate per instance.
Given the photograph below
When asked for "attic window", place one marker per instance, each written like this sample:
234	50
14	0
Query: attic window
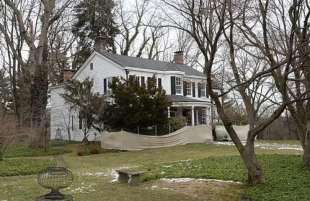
91	66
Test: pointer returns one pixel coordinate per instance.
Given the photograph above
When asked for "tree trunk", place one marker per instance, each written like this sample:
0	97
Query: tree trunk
255	172
85	140
306	146
306	157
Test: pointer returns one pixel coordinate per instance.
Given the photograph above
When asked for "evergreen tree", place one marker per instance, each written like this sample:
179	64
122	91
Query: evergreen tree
95	22
137	106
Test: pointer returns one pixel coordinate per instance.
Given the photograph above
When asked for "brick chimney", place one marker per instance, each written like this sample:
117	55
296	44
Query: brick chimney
179	57
67	74
101	43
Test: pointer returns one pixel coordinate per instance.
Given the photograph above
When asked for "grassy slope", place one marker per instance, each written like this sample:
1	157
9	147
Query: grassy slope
98	188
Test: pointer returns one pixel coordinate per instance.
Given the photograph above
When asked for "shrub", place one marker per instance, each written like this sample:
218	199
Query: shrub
89	149
177	123
93	148
95	151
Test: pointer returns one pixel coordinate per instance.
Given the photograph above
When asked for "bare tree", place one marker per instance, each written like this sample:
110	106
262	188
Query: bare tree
25	25
207	23
283	40
141	33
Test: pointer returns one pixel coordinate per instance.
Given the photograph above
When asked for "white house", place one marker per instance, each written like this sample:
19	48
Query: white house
185	88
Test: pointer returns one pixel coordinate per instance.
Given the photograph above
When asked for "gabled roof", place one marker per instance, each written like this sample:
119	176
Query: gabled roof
127	61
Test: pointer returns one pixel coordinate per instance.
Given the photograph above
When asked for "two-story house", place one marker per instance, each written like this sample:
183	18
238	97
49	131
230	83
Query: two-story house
185	88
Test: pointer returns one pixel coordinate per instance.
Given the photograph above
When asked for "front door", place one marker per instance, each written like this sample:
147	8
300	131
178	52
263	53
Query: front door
188	114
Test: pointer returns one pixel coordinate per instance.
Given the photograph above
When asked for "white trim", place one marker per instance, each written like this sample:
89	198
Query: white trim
155	71
195	76
190	104
166	72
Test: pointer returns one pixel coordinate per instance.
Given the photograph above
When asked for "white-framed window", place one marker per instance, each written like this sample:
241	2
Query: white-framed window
107	85
203	89
188	88
203	116
178	85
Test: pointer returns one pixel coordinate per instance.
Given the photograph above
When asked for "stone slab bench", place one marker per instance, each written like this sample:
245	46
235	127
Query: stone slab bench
131	177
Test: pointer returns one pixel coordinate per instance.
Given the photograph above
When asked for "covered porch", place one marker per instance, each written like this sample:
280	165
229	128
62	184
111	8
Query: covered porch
197	112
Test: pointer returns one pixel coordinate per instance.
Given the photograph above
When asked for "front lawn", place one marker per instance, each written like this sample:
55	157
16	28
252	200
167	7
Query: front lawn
20	166
26	151
286	179
93	175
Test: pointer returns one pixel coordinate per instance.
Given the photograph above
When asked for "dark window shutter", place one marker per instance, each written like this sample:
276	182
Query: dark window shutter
148	82
184	88
80	122
207	93
143	81
172	85
72	122
105	86
199	90
194	89
159	83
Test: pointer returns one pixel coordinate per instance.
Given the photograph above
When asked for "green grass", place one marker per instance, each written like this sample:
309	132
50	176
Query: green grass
98	188
286	179
25	151
19	167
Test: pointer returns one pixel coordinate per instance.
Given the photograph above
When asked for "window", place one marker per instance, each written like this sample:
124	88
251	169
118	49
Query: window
188	88
109	90
159	83
203	89
107	85
91	66
178	85
203	116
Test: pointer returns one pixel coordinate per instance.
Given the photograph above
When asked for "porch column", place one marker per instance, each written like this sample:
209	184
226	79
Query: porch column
197	117
168	112
193	116
207	116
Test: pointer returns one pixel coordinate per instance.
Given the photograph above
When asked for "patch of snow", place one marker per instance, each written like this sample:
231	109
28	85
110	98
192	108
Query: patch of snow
84	188
184	180
167	166
95	174
154	187
268	146
290	148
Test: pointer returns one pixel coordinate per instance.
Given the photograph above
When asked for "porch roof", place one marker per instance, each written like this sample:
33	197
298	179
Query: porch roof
184	99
